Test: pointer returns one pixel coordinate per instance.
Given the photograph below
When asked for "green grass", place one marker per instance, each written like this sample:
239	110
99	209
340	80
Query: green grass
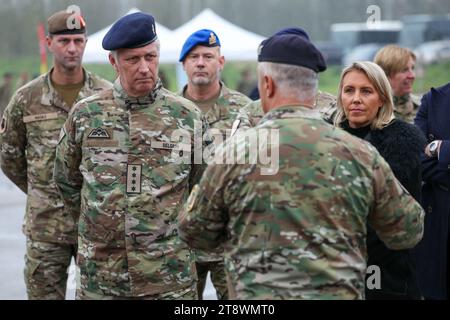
431	76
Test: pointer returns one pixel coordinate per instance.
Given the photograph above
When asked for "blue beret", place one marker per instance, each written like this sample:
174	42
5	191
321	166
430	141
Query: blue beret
293	30
292	49
203	37
131	31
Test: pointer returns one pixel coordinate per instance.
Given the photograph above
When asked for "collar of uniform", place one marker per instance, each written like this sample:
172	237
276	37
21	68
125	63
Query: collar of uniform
132	103
212	115
223	91
401	100
50	96
291	111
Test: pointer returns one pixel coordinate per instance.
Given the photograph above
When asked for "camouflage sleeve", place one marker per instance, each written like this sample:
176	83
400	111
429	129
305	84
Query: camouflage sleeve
13	141
396	217
67	161
243	120
202	224
201	141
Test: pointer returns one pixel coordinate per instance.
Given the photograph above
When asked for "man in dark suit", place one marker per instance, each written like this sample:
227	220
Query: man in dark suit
432	253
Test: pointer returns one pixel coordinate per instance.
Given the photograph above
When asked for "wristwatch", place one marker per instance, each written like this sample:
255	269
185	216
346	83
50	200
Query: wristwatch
434	147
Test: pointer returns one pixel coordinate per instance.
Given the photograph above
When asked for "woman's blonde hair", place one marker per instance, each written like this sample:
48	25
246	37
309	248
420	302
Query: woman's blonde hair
393	59
378	79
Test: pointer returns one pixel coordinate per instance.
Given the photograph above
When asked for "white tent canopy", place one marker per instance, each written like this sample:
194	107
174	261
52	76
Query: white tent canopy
237	44
94	53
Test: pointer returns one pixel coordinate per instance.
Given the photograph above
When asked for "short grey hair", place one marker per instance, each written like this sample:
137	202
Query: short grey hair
114	53
292	80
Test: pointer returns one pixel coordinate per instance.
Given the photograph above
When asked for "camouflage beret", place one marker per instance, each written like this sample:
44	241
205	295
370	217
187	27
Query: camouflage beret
63	22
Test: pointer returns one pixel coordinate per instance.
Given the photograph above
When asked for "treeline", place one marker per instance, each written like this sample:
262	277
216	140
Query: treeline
18	18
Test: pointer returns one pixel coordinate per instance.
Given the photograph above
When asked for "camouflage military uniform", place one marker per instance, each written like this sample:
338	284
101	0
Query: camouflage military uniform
5	95
220	119
119	163
300	233
250	115
30	131
406	107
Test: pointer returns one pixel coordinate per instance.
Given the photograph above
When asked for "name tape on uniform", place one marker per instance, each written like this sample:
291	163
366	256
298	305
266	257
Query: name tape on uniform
40	117
171	146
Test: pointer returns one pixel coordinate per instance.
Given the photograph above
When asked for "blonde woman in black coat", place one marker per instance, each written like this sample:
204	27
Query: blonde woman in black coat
365	109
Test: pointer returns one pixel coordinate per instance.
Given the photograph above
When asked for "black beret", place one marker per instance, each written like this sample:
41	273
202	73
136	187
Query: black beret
291	48
63	22
293	30
131	31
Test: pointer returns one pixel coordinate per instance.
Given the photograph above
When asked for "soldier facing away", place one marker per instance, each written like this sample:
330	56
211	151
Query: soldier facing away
29	133
300	232
203	63
251	114
120	161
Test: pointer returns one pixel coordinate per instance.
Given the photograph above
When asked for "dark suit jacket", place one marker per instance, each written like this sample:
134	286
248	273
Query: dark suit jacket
433	119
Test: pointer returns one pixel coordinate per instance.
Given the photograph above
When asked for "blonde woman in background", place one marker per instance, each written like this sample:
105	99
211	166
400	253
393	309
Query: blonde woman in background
399	65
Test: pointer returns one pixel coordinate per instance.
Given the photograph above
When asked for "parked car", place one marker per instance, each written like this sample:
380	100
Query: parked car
364	52
418	29
433	52
332	52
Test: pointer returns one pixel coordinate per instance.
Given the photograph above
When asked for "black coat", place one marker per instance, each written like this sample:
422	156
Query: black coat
400	144
431	253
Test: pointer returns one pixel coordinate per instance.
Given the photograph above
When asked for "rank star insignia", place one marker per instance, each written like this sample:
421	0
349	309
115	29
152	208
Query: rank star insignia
212	39
134	178
99	133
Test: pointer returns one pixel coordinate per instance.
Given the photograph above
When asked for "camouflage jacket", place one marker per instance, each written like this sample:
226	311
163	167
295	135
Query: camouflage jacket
251	114
406	107
226	108
32	121
301	232
220	120
5	95
125	164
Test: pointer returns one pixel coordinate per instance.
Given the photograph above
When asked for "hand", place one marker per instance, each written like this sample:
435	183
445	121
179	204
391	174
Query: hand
436	154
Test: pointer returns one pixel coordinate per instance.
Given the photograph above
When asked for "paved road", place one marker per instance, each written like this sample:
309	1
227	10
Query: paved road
12	247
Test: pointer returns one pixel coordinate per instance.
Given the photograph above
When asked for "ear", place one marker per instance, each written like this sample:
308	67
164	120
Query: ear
270	86
222	62
49	41
113	62
381	102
